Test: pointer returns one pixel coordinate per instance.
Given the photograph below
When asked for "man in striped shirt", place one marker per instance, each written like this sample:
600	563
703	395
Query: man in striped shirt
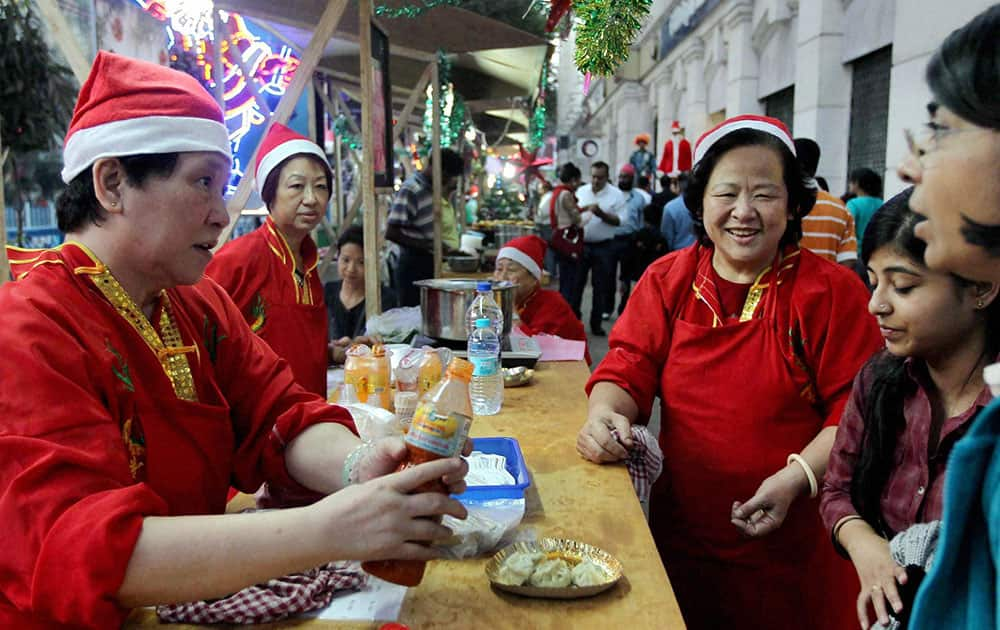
828	230
411	224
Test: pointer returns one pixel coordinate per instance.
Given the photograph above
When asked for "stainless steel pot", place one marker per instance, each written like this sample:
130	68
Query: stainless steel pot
444	302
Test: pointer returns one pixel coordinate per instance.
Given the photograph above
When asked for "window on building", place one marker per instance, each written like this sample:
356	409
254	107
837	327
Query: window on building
869	110
781	105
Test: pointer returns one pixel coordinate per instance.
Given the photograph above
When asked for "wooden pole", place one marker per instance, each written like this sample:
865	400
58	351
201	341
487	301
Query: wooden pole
218	71
373	283
303	76
4	263
64	38
436	162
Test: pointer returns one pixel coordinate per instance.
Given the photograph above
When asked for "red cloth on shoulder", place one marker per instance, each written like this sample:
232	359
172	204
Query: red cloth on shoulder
547	311
93	436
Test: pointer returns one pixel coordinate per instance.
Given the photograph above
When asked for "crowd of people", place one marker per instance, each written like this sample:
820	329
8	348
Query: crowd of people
803	413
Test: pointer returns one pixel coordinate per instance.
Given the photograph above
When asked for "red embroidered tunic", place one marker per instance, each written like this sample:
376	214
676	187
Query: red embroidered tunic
737	398
258	271
546	311
106	418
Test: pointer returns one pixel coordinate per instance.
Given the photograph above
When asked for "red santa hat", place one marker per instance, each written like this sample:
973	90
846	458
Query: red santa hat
528	251
766	124
627	169
675	127
280	144
131	107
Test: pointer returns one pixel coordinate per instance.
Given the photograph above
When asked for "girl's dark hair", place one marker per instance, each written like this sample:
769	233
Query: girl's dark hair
353	234
892	226
568	172
963	73
800	197
868	180
77	206
270	188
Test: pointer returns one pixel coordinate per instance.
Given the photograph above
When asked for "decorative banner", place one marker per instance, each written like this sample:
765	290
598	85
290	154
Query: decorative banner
606	32
192	50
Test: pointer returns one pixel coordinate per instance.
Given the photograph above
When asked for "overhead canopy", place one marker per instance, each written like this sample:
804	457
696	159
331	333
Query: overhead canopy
495	67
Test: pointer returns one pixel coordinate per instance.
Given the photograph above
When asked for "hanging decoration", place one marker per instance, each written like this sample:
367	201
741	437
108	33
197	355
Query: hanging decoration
527	164
412	10
342	131
454	119
556	12
605	32
536	126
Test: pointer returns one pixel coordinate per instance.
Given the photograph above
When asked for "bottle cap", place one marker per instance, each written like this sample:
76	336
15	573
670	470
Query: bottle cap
482	322
460	369
484	285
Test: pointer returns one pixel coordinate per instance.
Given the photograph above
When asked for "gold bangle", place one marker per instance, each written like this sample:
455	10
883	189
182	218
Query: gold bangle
810	475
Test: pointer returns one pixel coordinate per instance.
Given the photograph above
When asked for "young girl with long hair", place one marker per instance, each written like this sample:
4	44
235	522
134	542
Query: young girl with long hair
910	403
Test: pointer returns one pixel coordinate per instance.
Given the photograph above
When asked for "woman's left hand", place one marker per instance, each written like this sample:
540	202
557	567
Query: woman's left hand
384	456
765	511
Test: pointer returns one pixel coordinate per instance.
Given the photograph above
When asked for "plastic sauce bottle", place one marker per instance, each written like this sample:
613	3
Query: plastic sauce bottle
483	305
486	388
439	429
380	369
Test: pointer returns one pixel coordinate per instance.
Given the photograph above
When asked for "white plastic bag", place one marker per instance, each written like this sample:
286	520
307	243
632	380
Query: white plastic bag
397	325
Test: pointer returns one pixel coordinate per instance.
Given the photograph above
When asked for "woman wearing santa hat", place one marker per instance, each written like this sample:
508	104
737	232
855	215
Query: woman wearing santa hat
752	345
271	273
133	393
540	310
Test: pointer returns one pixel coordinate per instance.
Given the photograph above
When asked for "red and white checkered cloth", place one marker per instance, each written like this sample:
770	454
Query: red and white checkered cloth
272	601
645	460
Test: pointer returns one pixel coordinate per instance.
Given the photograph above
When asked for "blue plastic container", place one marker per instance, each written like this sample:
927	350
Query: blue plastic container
511	450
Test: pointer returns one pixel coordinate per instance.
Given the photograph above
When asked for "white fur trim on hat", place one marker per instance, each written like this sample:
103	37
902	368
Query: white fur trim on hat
758	123
281	152
523	259
135	136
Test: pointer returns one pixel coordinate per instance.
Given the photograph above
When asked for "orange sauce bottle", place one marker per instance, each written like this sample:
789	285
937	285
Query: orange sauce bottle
379	371
440	427
357	369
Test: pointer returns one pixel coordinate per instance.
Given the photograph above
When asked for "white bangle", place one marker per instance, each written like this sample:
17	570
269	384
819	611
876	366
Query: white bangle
810	475
349	472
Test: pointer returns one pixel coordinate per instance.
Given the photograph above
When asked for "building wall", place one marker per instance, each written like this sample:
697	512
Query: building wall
740	52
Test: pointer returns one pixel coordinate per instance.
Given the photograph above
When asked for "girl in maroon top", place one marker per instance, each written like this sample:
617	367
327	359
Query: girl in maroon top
910	403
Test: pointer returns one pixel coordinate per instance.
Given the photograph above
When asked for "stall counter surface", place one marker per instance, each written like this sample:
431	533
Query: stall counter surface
568	498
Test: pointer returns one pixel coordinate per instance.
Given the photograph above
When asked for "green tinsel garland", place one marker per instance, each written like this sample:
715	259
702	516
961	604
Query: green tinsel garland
453	124
536	126
412	10
342	130
607	29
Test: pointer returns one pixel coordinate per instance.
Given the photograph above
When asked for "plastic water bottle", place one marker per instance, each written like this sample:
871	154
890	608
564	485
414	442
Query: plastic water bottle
486	386
483	305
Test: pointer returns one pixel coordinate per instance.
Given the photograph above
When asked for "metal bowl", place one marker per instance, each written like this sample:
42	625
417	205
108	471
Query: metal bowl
444	302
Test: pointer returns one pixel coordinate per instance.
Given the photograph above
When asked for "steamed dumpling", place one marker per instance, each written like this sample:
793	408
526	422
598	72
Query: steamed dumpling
588	573
518	567
552	574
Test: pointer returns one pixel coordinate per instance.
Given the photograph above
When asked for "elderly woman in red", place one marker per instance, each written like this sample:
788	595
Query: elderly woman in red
271	273
540	310
752	345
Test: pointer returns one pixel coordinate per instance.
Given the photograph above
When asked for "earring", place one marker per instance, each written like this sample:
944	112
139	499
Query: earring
980	304
114	203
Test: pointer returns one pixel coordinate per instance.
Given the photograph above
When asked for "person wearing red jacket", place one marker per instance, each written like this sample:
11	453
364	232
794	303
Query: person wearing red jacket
271	273
133	393
540	310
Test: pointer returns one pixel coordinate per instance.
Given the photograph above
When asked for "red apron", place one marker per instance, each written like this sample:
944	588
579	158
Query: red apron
297	333
732	412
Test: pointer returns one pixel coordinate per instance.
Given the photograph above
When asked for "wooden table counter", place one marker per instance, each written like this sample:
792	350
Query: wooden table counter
568	498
